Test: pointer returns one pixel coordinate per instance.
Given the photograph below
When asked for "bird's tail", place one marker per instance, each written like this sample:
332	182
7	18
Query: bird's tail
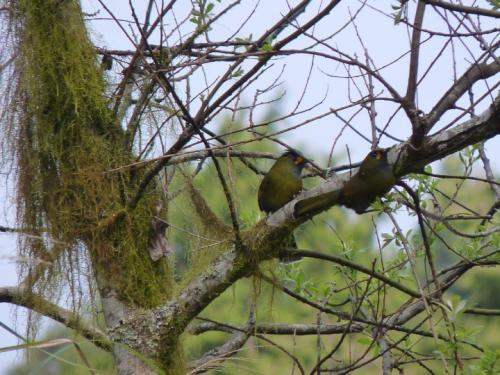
315	205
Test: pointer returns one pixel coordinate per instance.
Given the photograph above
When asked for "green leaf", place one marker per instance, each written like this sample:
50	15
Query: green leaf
364	340
238	73
397	18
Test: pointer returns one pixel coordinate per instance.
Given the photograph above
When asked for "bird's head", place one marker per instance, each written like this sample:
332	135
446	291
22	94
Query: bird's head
374	162
293	156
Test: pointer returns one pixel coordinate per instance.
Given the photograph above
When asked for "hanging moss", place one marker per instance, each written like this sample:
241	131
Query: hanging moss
68	142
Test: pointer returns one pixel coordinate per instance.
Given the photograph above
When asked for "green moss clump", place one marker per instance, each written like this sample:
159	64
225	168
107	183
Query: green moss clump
68	144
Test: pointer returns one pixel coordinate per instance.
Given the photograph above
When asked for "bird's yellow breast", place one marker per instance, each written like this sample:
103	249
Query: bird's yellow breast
277	189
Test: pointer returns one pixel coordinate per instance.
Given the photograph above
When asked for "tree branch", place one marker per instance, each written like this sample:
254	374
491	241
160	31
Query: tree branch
283	329
446	281
24	298
418	126
357	319
214	358
415	52
486	312
464	8
353	265
460	87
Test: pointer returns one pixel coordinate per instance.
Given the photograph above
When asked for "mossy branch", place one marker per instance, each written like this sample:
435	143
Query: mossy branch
22	297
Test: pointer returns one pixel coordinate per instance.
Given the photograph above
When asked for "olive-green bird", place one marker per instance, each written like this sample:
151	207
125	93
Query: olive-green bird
373	179
278	187
282	183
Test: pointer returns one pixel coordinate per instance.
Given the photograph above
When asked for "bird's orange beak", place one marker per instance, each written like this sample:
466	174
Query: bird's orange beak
298	160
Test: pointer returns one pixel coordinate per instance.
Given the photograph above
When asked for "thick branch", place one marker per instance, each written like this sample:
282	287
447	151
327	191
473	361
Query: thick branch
166	323
460	87
9	230
283	329
20	297
464	8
